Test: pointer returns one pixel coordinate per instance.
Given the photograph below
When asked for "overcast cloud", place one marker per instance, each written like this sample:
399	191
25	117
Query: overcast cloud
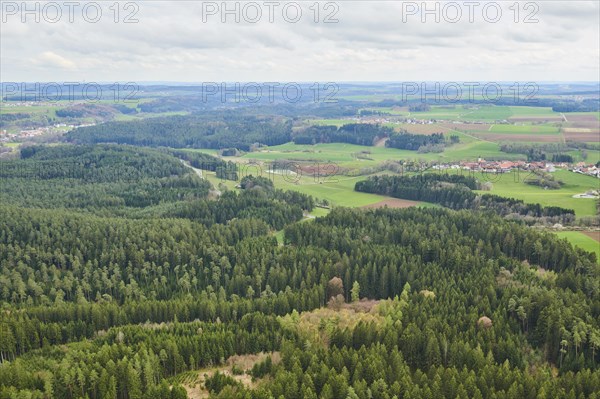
370	42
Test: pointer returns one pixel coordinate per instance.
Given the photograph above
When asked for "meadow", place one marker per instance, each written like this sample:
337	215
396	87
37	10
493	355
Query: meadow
337	190
339	159
512	185
524	129
582	241
479	112
356	156
485	122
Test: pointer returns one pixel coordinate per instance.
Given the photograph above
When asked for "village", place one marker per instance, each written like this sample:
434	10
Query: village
481	165
24	135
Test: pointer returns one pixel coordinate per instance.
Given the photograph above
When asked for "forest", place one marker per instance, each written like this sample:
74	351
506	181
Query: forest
192	131
413	142
354	133
121	272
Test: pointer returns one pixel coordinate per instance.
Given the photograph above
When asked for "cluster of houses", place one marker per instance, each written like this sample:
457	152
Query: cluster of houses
382	120
584	169
6	137
481	165
23	135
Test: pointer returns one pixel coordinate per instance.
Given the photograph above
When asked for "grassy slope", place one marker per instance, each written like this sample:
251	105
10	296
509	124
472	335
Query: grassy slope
338	190
582	241
511	185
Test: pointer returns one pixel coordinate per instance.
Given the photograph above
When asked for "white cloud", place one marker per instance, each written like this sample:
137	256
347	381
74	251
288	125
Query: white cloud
52	60
370	42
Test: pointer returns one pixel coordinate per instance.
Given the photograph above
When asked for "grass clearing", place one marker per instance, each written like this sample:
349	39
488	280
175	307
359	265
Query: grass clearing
193	381
318	324
581	240
512	185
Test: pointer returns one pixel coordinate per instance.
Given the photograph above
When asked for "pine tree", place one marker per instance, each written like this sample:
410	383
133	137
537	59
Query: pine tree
355	292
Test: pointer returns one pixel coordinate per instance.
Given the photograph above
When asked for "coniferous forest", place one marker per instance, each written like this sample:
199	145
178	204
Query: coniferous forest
365	199
120	273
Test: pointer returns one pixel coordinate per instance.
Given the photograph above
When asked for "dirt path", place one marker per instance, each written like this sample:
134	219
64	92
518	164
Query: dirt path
198	171
381	143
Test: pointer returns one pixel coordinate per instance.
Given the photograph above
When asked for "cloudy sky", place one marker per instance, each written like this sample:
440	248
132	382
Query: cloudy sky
187	41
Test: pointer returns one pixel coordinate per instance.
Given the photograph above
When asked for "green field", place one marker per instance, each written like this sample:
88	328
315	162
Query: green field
533	112
338	190
340	159
355	156
525	129
484	113
582	241
476	149
593	156
511	185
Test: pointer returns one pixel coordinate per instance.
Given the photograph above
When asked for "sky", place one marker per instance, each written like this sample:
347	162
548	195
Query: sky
337	41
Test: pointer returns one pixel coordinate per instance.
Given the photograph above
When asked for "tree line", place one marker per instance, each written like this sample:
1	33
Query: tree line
455	192
366	134
194	131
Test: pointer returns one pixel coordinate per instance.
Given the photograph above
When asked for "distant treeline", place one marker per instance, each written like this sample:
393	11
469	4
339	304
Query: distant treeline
587	105
454	191
419	104
419	108
407	141
5	117
354	133
189	132
541	152
368	134
562	158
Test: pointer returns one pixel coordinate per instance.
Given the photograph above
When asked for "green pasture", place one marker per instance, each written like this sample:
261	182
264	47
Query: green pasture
524	129
480	112
512	185
533	112
592	157
338	190
582	241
